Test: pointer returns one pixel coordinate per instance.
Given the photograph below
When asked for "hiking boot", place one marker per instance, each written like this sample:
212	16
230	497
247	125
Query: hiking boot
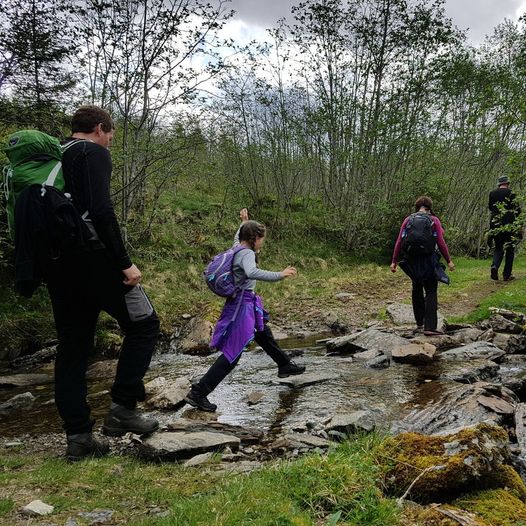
509	278
494	273
198	400
289	369
84	445
121	420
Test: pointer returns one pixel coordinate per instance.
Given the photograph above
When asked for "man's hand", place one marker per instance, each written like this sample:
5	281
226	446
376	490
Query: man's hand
393	267
289	271
243	215
132	276
451	266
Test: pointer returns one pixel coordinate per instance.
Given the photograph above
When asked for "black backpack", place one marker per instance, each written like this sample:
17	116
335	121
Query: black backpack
418	238
47	226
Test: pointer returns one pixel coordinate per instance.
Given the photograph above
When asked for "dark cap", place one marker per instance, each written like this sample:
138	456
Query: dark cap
503	179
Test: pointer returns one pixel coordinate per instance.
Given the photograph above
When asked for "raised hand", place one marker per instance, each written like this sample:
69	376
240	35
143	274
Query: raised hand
243	215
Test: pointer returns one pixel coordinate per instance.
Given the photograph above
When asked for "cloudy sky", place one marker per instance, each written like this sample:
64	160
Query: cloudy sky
478	16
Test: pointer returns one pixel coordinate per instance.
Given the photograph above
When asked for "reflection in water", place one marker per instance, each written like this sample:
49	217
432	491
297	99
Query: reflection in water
393	392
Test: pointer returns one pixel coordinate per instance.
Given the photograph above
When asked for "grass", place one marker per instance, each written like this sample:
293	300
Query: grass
301	492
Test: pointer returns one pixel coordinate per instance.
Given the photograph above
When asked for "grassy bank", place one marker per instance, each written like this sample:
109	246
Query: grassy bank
196	225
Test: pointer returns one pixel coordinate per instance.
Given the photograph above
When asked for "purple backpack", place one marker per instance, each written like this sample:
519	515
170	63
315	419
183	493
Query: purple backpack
219	275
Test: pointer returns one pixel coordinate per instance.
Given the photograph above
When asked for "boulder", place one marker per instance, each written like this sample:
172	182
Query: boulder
364	356
343	345
15	404
441	341
380	362
459	407
183	445
171	396
414	353
510	343
402	314
31	360
472	371
154	386
466	335
305	379
439	468
475	350
197	338
25	380
501	324
512	373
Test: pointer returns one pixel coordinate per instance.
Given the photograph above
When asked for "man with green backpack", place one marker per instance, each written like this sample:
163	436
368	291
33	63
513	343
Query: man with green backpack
91	272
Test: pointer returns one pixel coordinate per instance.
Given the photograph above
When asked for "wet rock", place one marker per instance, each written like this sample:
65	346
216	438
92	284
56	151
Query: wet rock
367	355
472	371
197	339
496	404
171	397
441	341
380	362
305	379
199	460
512	373
254	397
402	314
466	335
343	345
501	324
458	408
475	350
510	343
44	355
439	468
15	404
101	370
350	423
97	516
414	353
300	441
25	380
176	446
37	508
154	386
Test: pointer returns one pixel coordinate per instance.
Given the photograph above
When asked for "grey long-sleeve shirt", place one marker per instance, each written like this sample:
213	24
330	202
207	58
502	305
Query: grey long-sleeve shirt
245	270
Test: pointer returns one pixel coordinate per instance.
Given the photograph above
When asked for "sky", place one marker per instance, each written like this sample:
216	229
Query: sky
479	17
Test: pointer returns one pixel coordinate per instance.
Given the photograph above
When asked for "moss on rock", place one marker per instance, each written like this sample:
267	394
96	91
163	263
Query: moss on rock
498	507
443	467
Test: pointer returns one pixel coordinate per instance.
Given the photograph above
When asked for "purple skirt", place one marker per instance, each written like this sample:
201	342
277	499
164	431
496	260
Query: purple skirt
240	318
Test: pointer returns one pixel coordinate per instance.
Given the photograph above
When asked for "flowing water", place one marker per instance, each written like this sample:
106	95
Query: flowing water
392	392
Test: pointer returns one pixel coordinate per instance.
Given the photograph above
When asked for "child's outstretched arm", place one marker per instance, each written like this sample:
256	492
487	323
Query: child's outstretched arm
243	215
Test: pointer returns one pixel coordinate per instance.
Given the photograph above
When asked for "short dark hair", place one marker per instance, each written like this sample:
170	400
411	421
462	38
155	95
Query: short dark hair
423	201
86	118
250	231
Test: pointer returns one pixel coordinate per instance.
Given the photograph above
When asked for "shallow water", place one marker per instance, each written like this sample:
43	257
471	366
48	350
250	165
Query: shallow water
391	392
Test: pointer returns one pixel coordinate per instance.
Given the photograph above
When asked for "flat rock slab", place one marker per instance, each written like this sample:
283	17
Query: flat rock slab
171	396
475	350
414	353
299	441
305	379
254	397
402	314
343	345
366	355
472	371
496	404
175	446
25	380
37	508
460	407
97	516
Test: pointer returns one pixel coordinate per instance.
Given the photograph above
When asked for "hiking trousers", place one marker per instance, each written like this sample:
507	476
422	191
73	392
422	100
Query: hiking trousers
80	287
425	303
504	249
220	369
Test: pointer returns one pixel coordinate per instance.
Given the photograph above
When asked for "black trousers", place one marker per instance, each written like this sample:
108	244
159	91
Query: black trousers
80	287
220	369
425	305
504	249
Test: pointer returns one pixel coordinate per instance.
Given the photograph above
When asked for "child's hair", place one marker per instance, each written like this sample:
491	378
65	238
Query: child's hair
424	201
250	231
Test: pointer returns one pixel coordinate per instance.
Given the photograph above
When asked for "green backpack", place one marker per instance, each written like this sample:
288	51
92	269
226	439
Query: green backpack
34	158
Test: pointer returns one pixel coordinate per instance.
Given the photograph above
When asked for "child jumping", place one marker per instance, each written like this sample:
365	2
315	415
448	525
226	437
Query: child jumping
243	318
